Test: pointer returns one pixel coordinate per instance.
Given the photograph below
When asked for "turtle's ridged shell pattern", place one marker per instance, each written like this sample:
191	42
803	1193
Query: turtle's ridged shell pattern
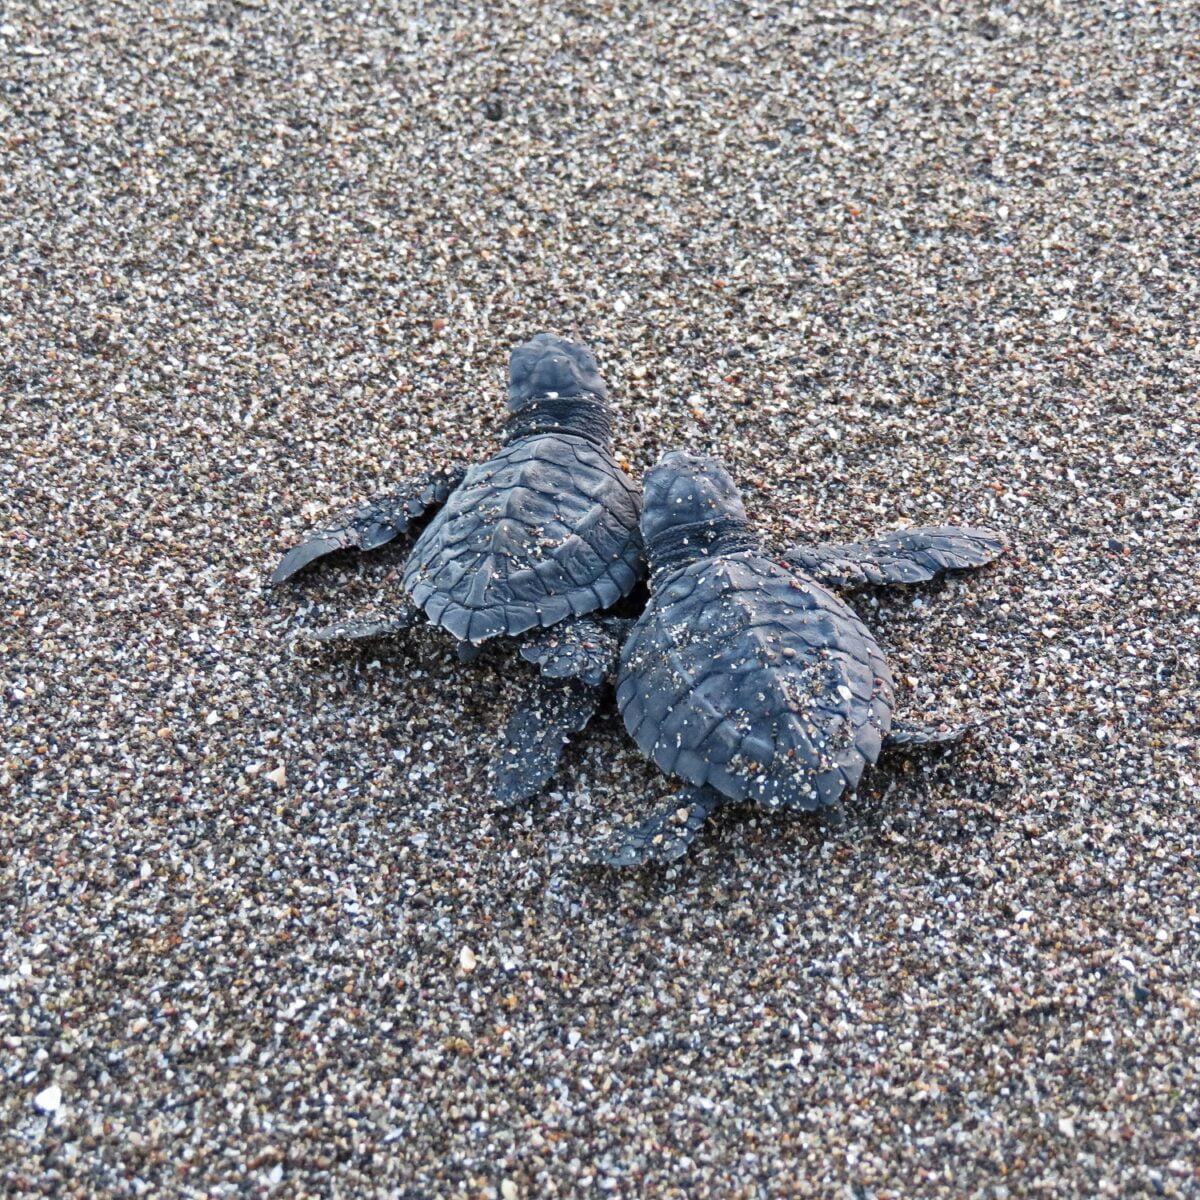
755	680
545	529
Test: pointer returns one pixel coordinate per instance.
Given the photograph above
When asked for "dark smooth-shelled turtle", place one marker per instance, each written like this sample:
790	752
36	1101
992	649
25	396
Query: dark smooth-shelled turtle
748	678
533	545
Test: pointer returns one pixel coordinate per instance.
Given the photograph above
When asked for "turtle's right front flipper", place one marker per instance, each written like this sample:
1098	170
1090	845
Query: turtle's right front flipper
906	556
666	834
373	524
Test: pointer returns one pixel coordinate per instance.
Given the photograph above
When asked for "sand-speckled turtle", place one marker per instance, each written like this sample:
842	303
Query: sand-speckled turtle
750	679
526	545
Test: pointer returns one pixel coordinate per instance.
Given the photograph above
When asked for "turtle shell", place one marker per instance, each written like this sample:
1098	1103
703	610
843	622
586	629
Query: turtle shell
757	681
545	529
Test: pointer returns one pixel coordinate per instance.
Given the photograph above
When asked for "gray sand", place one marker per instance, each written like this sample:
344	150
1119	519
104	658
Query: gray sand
262	932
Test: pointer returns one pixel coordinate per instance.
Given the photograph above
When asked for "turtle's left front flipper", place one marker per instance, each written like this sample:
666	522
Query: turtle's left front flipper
906	556
375	523
574	658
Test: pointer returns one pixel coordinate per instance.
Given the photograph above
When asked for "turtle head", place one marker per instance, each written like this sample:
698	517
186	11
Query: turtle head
550	367
691	509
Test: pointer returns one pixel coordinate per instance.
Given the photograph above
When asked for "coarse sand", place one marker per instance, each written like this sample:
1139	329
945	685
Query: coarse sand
263	932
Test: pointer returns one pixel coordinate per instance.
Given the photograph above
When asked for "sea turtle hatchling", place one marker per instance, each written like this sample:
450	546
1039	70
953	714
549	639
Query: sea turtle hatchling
750	679
526	545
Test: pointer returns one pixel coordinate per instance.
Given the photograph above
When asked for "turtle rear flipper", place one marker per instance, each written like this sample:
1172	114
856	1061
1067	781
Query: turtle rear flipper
373	524
536	734
906	556
666	834
366	629
916	735
586	648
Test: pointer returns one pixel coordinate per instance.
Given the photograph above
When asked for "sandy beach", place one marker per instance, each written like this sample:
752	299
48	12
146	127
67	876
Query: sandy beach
261	930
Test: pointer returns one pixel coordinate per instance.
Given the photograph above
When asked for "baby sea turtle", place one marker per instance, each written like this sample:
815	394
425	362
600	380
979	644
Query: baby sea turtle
750	679
526	545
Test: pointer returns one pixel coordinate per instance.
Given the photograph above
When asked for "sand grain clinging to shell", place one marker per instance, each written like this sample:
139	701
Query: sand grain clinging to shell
894	267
